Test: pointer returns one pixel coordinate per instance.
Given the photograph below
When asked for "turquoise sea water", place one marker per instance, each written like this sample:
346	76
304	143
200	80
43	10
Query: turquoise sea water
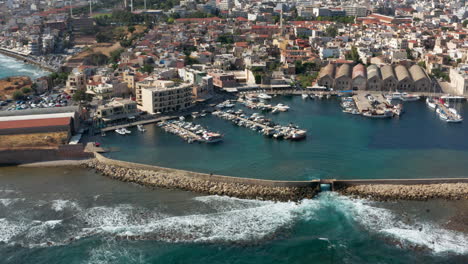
338	145
13	67
75	216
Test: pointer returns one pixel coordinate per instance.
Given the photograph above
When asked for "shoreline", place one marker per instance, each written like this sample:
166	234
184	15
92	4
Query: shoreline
25	59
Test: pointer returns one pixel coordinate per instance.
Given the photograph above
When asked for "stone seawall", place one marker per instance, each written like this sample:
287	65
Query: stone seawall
387	192
244	188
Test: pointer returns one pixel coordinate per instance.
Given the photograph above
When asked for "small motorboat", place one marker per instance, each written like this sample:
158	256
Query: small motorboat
120	131
141	128
305	96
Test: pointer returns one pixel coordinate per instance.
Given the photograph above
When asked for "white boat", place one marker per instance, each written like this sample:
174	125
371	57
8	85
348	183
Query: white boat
452	97
211	137
264	96
305	96
431	103
409	97
141	128
120	131
282	107
298	135
386	114
181	118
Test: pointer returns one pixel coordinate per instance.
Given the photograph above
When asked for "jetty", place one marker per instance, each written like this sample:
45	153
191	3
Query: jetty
249	188
190	132
258	123
139	122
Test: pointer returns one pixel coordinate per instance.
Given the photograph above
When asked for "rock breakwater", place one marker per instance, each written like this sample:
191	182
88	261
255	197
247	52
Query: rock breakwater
384	192
201	183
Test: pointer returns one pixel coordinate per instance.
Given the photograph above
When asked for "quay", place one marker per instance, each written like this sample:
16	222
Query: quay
363	104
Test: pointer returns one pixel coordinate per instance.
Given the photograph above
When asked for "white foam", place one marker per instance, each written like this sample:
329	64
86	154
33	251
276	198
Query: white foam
9	229
385	222
249	221
60	205
8	201
111	253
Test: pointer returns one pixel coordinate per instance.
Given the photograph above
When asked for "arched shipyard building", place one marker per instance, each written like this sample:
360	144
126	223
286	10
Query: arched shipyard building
374	78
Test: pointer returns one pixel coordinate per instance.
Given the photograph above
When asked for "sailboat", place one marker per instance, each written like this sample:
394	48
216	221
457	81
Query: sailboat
430	101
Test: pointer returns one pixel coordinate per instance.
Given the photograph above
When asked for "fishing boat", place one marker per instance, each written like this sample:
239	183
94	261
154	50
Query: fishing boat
385	114
141	128
352	111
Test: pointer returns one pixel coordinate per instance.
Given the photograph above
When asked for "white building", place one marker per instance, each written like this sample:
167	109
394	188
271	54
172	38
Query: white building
166	96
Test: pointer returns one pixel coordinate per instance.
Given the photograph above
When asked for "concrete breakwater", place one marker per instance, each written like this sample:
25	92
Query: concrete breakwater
385	192
247	188
244	188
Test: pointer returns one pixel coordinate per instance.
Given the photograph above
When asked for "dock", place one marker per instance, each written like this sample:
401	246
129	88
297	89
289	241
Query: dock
189	135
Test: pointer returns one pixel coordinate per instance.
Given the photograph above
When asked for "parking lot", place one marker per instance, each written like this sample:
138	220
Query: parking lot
37	101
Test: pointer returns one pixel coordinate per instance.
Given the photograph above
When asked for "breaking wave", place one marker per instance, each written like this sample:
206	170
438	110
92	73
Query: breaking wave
387	223
227	220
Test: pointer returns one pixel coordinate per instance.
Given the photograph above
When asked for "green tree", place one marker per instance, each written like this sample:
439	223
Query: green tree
103	37
331	31
147	68
26	90
465	23
81	96
18	95
131	29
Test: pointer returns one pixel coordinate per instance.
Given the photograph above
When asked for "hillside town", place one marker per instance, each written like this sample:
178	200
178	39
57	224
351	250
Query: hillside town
119	62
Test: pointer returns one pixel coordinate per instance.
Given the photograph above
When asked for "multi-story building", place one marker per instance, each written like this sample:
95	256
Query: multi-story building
76	81
166	96
117	110
356	11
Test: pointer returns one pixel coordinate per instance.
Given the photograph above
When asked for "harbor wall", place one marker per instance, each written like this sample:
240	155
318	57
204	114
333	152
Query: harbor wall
154	176
30	155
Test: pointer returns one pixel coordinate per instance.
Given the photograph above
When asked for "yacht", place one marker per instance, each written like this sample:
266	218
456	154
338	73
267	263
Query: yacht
282	107
431	103
394	96
120	131
409	97
264	96
211	137
297	134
